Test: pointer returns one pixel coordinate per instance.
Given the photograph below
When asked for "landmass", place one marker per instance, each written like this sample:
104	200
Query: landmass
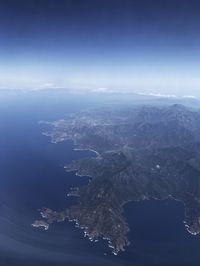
142	153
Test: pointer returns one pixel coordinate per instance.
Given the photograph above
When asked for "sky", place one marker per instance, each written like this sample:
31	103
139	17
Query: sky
145	46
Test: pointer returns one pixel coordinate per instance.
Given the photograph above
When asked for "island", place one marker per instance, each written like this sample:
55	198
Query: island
141	153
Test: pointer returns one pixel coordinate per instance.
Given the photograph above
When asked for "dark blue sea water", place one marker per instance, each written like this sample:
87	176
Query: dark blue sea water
32	176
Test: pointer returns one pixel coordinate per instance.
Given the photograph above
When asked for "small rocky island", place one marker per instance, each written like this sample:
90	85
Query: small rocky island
143	152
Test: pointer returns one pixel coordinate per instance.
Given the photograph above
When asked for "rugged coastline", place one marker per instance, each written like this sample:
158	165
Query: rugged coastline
142	153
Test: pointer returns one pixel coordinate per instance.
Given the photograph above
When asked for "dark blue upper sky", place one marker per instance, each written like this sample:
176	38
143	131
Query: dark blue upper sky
139	45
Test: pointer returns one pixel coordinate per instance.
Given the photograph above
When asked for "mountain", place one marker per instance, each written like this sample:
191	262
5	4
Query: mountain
143	153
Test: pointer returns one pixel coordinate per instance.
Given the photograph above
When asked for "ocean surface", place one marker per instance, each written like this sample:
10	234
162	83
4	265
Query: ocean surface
32	176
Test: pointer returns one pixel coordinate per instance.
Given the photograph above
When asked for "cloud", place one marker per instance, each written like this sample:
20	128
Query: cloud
190	96
158	95
104	90
47	86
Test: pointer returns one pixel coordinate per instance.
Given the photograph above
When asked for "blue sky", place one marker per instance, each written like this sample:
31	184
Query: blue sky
126	45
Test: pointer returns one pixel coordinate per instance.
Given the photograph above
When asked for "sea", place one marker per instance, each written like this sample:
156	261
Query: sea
32	176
